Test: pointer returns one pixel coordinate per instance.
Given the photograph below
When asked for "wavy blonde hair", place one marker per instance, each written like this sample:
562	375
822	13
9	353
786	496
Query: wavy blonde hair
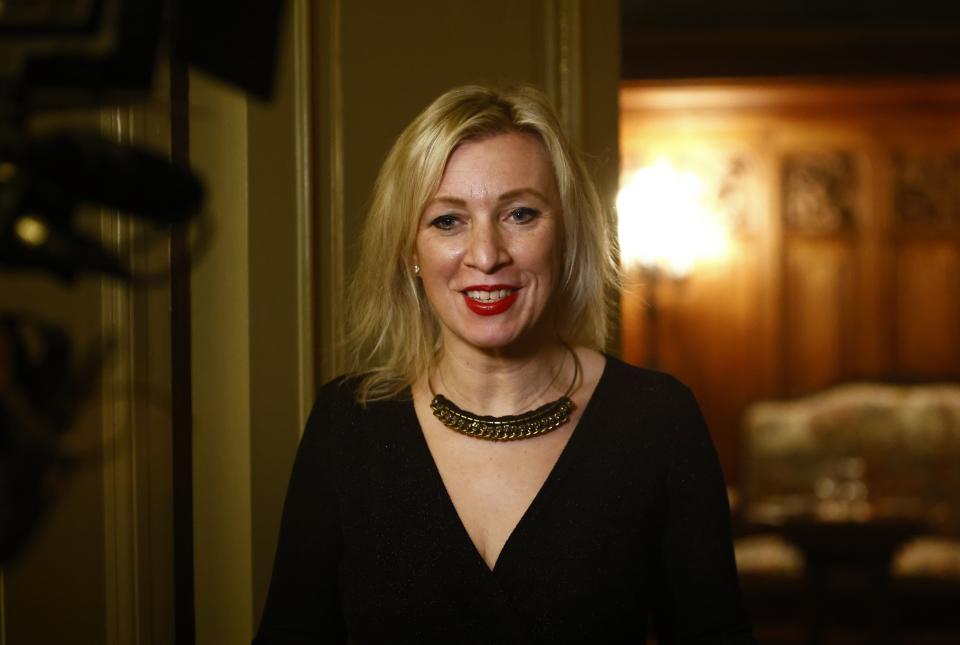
393	334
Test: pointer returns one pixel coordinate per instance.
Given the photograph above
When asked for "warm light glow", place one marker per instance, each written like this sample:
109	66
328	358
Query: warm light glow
31	230
665	222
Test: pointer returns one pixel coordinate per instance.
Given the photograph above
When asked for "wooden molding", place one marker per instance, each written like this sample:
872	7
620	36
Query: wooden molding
329	137
563	56
306	200
135	425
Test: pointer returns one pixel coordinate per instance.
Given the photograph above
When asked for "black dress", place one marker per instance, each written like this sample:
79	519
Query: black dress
632	522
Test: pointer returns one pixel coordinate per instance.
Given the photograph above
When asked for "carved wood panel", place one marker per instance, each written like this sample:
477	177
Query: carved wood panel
819	191
926	189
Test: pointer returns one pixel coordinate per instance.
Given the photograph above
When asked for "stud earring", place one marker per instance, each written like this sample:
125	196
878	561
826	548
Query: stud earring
416	269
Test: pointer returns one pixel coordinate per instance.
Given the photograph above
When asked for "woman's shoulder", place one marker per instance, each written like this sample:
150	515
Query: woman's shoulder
663	407
344	386
631	379
340	403
335	407
627	394
336	395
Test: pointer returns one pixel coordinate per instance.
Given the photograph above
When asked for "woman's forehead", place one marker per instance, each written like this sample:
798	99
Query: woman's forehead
492	166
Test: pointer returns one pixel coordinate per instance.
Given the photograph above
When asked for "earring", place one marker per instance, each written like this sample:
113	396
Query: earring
416	269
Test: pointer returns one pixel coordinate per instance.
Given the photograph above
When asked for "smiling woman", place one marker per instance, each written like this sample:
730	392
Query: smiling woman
394	335
565	497
488	245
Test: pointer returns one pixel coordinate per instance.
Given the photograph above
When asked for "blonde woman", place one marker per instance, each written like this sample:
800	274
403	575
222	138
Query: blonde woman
485	474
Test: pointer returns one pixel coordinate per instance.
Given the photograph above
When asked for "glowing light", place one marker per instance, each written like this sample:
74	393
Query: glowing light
665	221
31	230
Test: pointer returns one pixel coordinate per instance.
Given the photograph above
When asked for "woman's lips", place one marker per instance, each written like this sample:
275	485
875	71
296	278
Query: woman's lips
489	300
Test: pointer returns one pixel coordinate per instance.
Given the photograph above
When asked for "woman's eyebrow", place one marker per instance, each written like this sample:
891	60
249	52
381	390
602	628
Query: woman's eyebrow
453	201
519	192
507	196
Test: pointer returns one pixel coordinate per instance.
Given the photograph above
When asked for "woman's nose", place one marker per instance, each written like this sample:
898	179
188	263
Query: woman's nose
486	251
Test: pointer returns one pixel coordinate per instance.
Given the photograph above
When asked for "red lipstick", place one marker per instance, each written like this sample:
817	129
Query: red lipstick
490	307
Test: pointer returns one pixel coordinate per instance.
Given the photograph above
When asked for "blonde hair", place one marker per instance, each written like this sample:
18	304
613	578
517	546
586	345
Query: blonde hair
393	334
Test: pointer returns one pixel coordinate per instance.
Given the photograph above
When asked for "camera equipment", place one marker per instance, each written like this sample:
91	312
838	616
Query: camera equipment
76	53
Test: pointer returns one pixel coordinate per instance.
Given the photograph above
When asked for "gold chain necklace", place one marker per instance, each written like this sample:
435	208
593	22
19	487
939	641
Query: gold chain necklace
546	418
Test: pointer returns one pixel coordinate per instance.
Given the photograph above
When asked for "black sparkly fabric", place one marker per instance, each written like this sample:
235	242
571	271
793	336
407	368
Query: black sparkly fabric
630	528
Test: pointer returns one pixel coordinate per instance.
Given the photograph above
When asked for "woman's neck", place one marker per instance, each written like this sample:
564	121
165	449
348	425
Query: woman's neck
501	383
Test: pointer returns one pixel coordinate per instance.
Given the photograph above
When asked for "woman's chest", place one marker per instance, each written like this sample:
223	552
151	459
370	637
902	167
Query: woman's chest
588	534
492	485
407	501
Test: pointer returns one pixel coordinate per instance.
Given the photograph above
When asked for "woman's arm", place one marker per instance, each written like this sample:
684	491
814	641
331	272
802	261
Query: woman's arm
303	604
699	601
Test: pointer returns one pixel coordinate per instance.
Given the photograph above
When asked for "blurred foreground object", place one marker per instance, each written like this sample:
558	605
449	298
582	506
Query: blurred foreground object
44	180
89	52
39	393
58	54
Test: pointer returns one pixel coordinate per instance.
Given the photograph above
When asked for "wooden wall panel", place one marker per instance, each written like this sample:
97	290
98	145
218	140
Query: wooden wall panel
819	313
849	267
723	346
872	340
928	308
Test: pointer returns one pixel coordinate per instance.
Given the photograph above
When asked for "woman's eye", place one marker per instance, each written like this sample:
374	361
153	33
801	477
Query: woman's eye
444	222
523	215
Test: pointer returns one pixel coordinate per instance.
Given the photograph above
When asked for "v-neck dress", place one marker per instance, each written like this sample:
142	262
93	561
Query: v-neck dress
631	525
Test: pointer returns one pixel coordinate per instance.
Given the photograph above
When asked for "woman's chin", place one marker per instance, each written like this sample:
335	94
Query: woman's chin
502	338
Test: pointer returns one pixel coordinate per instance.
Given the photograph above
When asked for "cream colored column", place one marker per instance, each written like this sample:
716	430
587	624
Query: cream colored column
252	326
220	338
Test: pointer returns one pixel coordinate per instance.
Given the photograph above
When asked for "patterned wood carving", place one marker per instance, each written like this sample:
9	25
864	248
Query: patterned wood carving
819	191
926	189
727	174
